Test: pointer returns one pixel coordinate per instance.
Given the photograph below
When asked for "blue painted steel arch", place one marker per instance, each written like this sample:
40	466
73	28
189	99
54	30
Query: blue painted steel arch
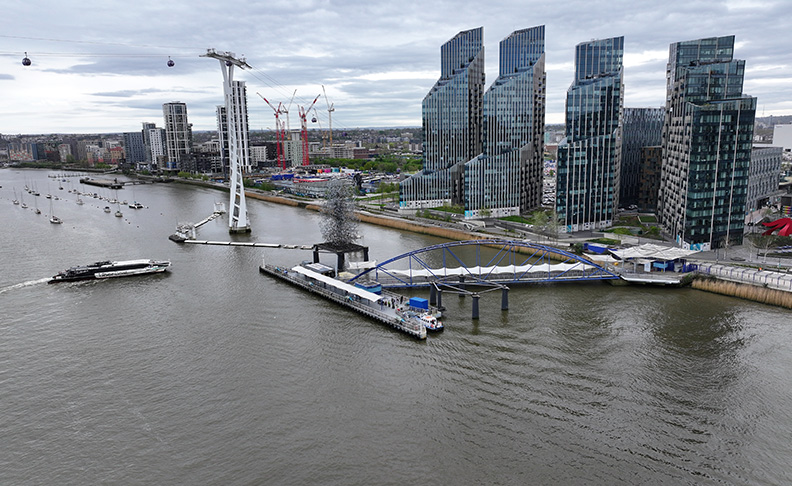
572	267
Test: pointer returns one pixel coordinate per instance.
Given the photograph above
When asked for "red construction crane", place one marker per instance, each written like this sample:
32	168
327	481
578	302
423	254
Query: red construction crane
279	131
304	126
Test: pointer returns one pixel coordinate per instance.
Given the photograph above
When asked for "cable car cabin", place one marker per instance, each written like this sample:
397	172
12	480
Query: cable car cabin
170	62
26	61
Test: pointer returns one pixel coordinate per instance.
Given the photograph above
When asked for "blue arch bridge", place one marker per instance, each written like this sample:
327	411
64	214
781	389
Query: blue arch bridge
476	266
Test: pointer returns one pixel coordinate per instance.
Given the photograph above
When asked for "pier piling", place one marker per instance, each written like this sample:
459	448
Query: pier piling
475	306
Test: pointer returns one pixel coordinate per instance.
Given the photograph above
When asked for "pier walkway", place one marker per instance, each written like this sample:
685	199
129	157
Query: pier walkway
377	307
753	276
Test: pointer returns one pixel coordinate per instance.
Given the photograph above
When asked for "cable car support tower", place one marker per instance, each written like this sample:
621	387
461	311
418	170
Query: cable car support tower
238	221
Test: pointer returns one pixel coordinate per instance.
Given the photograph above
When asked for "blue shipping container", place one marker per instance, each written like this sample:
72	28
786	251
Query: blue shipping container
419	303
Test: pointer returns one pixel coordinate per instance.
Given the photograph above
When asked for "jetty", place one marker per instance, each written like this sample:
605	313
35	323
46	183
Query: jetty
381	307
106	183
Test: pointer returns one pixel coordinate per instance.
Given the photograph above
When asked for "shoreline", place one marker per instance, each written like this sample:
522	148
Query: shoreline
745	291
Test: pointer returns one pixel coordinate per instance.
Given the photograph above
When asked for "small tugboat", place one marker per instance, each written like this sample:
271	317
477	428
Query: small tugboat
425	319
109	269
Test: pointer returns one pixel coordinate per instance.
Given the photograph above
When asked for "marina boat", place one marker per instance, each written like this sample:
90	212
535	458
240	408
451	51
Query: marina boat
425	319
54	219
136	205
107	209
110	269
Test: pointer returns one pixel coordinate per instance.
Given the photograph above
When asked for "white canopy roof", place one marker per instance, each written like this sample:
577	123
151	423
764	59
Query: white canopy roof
653	252
494	270
363	294
362	265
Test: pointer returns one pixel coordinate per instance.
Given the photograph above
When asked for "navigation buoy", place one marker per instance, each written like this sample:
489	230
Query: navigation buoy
26	60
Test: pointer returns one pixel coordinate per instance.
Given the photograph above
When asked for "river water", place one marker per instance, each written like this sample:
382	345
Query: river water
216	374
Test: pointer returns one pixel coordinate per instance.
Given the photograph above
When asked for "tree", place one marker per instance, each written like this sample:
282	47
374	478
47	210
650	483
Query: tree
554	224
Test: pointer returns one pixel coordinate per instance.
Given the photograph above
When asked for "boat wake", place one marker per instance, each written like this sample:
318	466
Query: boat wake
24	284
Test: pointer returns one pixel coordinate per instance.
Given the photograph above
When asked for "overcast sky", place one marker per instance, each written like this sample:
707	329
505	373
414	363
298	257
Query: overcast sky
100	66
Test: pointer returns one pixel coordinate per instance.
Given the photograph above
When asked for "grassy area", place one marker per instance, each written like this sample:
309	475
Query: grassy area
647	219
622	231
515	219
605	241
450	209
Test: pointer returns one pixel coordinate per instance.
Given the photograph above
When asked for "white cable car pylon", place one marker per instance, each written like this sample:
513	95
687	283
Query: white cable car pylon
238	221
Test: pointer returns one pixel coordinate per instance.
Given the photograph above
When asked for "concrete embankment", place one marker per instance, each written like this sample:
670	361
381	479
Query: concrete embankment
755	293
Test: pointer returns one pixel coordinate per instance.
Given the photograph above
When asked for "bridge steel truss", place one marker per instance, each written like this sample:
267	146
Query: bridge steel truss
514	262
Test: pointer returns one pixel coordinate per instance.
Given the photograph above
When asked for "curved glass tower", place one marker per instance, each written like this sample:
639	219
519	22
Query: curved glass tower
506	178
451	124
589	157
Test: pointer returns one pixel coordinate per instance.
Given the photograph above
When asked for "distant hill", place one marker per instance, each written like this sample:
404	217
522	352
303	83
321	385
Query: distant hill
771	121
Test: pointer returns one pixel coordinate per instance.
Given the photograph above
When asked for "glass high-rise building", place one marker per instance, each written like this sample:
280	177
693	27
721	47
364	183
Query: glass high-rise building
707	139
178	133
587	181
451	113
641	127
239	105
134	149
507	177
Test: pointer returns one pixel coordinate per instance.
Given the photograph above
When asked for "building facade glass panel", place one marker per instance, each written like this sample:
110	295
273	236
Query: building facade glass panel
707	138
588	174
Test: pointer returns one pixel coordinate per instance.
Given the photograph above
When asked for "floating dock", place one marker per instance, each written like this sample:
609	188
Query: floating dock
379	307
107	183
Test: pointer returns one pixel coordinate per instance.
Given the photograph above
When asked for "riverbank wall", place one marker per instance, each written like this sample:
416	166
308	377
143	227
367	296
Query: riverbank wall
380	220
755	293
709	283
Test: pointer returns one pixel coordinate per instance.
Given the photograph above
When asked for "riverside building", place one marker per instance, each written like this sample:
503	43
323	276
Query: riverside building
587	182
483	151
506	179
178	134
451	113
641	127
239	105
764	177
707	138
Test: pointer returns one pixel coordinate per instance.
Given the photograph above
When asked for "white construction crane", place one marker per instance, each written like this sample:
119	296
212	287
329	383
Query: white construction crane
330	110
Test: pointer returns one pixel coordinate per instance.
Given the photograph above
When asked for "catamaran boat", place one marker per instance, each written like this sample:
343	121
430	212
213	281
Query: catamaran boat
109	269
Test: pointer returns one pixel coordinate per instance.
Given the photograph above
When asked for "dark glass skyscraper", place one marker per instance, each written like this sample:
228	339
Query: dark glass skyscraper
587	182
641	127
707	139
451	124
507	177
